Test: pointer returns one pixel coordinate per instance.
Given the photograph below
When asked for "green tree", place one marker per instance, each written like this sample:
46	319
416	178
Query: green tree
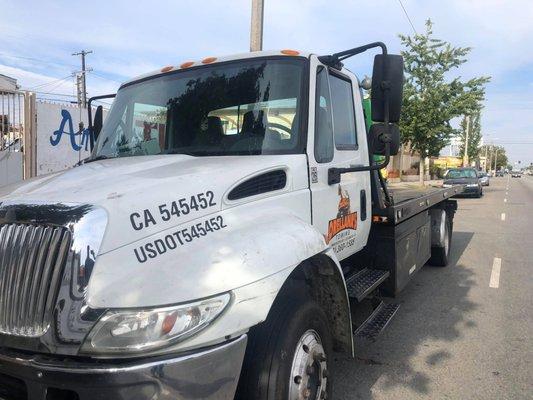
474	136
494	153
431	97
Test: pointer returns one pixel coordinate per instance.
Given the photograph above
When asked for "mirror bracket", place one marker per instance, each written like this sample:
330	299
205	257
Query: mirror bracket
334	174
334	60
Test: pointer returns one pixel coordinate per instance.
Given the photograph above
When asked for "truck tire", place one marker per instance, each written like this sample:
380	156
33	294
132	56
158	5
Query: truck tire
440	256
288	355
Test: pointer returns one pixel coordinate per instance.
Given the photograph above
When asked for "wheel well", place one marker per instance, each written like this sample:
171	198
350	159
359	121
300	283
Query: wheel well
323	280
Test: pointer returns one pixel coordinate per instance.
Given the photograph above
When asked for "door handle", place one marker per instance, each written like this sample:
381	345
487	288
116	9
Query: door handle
363	205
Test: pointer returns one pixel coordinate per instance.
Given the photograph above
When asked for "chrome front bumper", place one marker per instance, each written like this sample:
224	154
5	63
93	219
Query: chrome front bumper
210	374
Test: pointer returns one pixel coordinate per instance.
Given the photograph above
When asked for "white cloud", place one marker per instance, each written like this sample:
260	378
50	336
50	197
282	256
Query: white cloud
129	38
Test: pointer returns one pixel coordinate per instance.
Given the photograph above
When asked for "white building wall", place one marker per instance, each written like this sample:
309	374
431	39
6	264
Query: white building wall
60	145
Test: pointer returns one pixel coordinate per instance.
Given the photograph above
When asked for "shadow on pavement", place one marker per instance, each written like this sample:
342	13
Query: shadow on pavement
434	306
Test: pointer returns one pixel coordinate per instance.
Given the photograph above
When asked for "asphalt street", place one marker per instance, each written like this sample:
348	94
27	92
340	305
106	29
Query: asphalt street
464	331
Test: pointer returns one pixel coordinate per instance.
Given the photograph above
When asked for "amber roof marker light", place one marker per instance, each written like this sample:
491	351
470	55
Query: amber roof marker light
167	68
289	52
187	64
209	60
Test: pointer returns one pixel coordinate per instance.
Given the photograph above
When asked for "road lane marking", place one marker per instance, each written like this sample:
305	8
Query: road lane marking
495	274
503	216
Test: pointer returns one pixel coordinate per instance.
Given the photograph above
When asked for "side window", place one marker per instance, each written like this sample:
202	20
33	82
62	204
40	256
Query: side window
323	123
343	113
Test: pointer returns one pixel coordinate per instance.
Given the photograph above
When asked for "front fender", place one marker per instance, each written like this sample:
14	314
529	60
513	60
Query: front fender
252	244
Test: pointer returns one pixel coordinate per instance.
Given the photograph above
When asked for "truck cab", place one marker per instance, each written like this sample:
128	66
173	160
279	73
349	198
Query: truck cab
228	233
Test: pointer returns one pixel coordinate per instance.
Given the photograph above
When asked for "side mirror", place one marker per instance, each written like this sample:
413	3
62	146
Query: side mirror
98	121
378	136
387	88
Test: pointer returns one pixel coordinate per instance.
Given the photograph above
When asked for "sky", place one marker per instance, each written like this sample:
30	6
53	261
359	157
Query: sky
129	38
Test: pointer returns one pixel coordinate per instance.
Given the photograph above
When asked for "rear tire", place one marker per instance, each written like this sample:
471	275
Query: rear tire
440	256
288	354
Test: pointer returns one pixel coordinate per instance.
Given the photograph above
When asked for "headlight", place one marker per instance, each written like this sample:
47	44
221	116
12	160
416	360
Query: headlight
130	331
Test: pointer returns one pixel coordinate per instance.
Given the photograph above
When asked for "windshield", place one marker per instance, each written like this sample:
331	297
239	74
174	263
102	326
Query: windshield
461	173
239	108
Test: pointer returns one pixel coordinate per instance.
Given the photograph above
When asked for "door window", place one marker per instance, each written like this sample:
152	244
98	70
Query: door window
323	123
343	113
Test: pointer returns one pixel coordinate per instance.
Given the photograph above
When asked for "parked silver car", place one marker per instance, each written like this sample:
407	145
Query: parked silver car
484	179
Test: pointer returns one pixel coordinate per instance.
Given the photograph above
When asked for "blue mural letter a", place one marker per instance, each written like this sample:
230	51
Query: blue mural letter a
56	137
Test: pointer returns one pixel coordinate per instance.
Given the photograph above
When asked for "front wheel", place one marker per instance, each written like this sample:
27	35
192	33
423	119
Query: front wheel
288	355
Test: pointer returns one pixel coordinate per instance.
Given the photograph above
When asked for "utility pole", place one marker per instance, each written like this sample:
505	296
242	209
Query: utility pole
83	100
486	158
491	151
496	160
256	30
465	155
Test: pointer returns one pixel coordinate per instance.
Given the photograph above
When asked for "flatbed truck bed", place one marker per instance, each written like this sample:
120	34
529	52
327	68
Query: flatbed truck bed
407	202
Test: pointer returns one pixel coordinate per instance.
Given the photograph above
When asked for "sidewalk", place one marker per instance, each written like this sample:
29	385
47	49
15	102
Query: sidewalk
414	185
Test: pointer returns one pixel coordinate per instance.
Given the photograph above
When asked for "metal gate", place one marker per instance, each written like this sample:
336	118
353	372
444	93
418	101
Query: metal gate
12	115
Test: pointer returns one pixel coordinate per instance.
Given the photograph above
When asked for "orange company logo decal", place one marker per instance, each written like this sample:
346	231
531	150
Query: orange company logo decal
337	225
345	218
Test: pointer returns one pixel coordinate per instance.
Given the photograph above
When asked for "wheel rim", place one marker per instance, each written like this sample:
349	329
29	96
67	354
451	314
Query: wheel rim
308	379
446	239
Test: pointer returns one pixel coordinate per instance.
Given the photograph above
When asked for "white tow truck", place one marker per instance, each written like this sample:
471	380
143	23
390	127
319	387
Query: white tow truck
229	232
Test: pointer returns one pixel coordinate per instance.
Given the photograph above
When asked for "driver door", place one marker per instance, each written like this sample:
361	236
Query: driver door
341	212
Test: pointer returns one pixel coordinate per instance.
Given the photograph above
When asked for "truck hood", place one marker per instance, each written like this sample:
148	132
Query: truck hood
142	195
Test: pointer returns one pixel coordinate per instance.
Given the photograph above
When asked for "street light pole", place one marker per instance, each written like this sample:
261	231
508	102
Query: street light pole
256	30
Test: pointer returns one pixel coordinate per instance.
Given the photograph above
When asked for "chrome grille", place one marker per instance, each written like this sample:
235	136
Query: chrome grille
31	261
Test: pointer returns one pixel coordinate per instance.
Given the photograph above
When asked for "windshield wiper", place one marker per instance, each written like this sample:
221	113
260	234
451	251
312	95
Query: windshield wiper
176	151
97	158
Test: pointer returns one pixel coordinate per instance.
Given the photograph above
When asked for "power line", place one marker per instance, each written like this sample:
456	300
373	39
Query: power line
60	64
55	86
55	94
38	60
49	83
103	77
408	18
60	100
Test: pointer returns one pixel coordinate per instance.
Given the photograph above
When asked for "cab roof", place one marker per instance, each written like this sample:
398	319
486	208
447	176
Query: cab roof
213	60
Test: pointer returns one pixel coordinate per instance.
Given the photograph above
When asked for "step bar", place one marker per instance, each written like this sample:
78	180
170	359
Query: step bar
377	321
365	282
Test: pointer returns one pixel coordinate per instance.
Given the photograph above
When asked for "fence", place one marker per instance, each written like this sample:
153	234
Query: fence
11	120
12	134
